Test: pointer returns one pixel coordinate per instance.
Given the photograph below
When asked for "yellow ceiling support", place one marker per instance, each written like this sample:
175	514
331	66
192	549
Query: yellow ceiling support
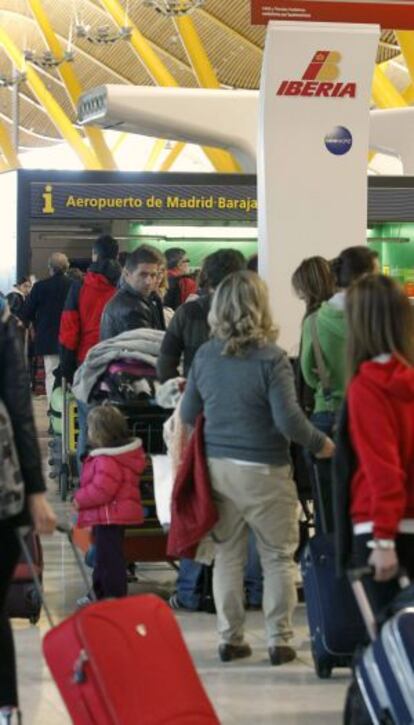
204	72
154	155
49	103
385	95
4	166
406	42
158	71
155	67
196	52
8	149
122	137
172	156
73	87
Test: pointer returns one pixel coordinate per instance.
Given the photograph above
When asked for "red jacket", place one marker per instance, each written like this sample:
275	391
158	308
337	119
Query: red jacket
193	511
109	492
381	415
81	317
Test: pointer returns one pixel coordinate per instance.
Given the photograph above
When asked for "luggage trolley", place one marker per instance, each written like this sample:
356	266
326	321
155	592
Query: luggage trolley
64	424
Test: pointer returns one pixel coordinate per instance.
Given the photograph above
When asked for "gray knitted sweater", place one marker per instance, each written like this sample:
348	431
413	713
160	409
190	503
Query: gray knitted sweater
249	403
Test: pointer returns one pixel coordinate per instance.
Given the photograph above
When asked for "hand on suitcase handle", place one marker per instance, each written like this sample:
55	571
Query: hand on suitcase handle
327	450
43	516
385	564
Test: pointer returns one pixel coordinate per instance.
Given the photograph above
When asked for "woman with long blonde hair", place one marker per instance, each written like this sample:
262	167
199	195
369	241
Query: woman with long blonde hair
243	383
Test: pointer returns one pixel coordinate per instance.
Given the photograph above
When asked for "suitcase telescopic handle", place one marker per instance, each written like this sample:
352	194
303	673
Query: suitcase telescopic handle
356	579
67	531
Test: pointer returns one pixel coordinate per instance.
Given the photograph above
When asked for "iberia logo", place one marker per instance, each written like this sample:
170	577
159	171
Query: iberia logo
320	79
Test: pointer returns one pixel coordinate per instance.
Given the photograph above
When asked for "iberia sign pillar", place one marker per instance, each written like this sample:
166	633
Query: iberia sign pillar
312	151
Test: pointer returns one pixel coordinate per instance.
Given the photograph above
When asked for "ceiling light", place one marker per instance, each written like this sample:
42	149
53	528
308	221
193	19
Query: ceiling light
47	59
173	7
102	35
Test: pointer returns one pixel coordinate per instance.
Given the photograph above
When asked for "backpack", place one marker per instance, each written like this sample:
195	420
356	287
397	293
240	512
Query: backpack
11	480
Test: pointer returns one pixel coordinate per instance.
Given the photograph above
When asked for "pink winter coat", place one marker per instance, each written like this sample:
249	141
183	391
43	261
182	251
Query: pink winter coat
109	488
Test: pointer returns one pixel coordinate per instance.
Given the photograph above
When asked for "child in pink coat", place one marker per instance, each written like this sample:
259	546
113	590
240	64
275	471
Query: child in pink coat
109	497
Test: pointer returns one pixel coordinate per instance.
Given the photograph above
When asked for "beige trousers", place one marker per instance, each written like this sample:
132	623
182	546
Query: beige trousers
263	498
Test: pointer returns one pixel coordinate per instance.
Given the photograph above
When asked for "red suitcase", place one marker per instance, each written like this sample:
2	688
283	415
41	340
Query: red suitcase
124	662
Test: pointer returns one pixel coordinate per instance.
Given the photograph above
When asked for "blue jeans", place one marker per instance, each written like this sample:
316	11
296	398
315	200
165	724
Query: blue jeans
188	582
83	410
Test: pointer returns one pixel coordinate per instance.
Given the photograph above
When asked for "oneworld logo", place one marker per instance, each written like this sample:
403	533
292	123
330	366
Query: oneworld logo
320	79
338	141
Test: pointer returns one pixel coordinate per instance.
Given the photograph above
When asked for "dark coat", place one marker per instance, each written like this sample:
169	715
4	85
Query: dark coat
344	466
129	310
44	307
16	395
193	511
188	330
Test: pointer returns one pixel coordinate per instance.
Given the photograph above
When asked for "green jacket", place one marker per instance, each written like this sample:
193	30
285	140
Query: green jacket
330	324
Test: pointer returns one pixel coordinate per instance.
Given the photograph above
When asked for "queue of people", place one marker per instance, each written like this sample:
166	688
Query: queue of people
356	364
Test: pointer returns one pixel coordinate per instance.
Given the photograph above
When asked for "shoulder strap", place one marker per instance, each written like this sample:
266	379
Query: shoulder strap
323	372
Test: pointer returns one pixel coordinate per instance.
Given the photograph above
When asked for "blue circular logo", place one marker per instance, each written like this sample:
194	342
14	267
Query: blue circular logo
338	141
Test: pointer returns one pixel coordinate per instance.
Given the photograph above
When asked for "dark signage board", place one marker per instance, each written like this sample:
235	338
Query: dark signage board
51	200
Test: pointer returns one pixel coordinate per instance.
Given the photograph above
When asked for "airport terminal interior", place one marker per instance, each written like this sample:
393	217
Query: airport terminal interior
201	138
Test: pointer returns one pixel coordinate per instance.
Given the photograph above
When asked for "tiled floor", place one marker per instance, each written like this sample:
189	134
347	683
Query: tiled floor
242	693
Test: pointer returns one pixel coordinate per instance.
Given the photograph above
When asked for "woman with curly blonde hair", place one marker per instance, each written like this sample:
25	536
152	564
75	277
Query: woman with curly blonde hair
243	383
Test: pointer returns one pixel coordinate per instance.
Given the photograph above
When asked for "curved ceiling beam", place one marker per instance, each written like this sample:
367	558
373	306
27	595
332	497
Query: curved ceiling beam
230	30
29	132
73	87
56	113
158	71
202	68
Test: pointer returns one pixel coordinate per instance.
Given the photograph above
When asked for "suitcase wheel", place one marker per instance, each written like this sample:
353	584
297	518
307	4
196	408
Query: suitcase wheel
35	604
323	667
323	670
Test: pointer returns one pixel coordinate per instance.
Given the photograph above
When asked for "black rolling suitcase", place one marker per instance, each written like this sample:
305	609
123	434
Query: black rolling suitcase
335	624
23	599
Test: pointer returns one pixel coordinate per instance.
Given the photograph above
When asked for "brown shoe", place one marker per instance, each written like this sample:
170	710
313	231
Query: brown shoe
281	655
229	652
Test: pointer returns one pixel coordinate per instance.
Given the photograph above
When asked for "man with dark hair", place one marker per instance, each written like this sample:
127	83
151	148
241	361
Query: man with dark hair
189	329
81	318
136	303
43	308
180	284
